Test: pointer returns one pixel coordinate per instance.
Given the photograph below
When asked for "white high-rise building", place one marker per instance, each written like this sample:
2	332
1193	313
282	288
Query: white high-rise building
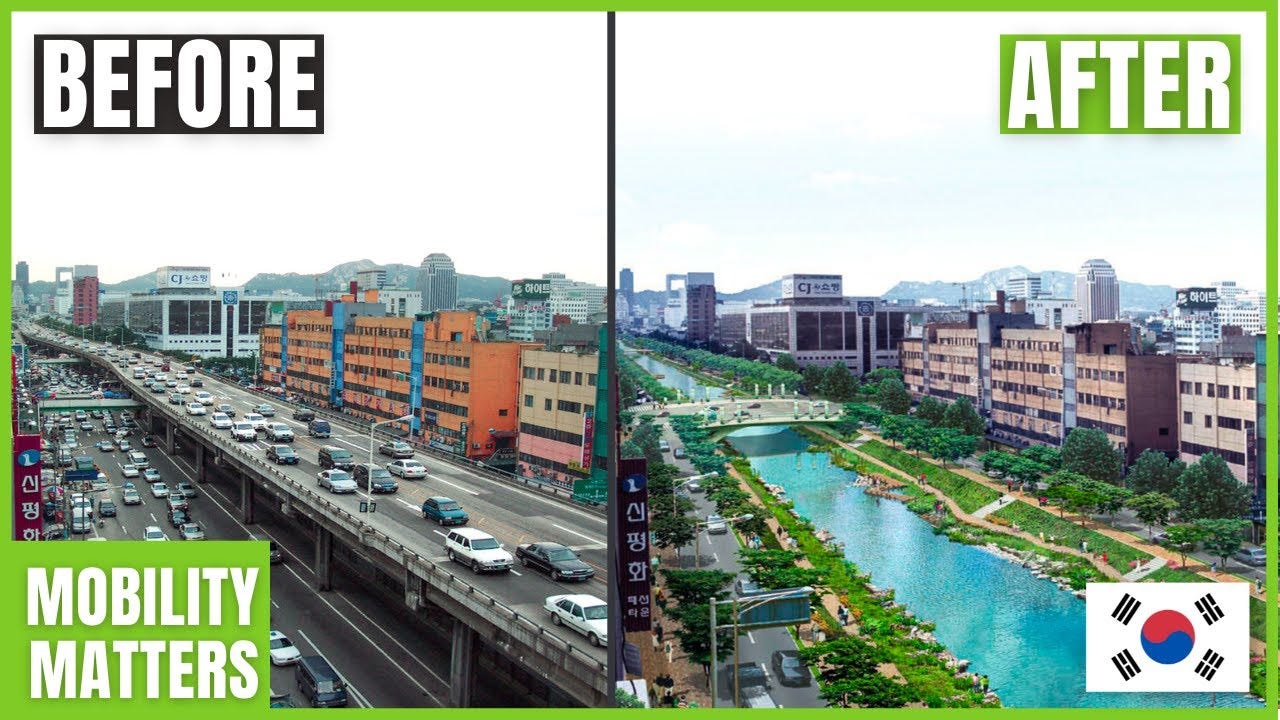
438	283
1055	313
1097	291
1026	287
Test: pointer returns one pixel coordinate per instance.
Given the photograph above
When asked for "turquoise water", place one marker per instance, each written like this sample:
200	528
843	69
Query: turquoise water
678	380
1024	633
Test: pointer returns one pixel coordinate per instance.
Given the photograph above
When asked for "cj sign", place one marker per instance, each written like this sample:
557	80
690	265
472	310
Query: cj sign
1120	84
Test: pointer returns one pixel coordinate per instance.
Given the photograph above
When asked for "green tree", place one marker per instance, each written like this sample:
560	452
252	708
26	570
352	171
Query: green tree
1207	489
1152	508
1047	456
777	569
894	398
673	530
1183	539
996	461
1088	451
839	384
646	438
930	410
692	590
961	416
1222	537
879	375
728	500
894	428
917	435
813	375
849	669
949	444
788	363
1153	472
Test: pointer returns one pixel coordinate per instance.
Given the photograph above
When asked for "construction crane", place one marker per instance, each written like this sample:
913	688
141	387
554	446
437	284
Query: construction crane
964	294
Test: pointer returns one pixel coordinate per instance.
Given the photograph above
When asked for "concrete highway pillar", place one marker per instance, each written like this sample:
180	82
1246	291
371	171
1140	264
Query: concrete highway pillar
324	559
461	663
247	491
201	474
412	590
168	438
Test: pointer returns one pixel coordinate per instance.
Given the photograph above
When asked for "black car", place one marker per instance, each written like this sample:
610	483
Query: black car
554	559
304	414
750	675
197	382
282	455
106	508
789	669
374	478
277	556
178	518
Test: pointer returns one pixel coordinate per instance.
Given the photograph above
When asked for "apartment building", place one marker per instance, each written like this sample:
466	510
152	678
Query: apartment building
1218	413
557	413
459	390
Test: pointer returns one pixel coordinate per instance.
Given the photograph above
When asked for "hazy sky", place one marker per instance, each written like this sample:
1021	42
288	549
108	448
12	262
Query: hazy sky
868	144
481	136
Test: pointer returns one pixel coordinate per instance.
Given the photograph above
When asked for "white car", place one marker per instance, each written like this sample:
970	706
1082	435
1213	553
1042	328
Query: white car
195	408
478	549
153	533
587	614
183	389
139	459
257	421
283	651
159	490
131	471
203	397
244	432
337	481
407	469
220	421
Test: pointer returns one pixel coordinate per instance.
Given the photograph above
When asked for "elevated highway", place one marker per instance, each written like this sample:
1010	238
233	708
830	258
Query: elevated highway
394	544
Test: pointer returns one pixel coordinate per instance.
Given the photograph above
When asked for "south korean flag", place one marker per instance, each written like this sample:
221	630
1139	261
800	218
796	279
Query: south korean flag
1167	637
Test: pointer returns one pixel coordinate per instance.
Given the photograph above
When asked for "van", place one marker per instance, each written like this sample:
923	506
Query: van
335	457
318	428
320	683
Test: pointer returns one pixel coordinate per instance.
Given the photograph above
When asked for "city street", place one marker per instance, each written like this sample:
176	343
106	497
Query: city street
720	552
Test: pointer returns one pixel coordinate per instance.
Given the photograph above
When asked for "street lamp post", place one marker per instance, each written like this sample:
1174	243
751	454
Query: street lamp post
741	606
374	426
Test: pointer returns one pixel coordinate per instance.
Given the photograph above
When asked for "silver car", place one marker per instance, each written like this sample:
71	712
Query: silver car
716	525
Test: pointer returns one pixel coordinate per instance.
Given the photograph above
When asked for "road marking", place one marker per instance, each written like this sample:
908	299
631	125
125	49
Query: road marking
463	489
153	517
407	504
751	637
440	533
575	532
515	572
276	605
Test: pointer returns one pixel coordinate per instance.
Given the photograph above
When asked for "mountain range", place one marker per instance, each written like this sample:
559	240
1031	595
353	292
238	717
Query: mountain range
1054	283
470	287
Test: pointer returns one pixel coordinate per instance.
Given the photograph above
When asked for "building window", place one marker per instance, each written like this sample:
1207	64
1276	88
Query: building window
565	376
551	376
540	373
591	380
528	401
569	406
1208	421
577	379
1184	387
547	406
502	412
1222	391
1235	392
1197	385
1209	389
1186	416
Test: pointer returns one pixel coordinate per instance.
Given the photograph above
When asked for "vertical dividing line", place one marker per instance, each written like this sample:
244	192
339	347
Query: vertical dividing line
616	636
6	217
1270	374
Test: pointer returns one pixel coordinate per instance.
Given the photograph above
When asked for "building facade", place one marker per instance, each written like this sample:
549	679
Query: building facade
700	307
1218	412
1097	291
1025	287
84	301
438	283
627	285
459	390
557	414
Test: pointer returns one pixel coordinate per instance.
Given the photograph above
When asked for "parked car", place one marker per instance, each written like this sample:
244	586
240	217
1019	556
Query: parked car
789	669
444	511
558	561
282	455
587	614
336	481
395	449
477	549
374	478
407	469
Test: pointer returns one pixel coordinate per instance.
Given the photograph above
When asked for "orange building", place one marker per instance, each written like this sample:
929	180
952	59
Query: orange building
460	389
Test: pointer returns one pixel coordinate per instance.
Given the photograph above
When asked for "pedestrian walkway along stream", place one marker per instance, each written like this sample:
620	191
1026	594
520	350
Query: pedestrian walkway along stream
1023	632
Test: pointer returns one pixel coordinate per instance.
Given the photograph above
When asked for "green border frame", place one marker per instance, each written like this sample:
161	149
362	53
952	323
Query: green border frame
1272	377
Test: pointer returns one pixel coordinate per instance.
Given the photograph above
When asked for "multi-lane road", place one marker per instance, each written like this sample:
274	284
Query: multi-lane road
508	512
